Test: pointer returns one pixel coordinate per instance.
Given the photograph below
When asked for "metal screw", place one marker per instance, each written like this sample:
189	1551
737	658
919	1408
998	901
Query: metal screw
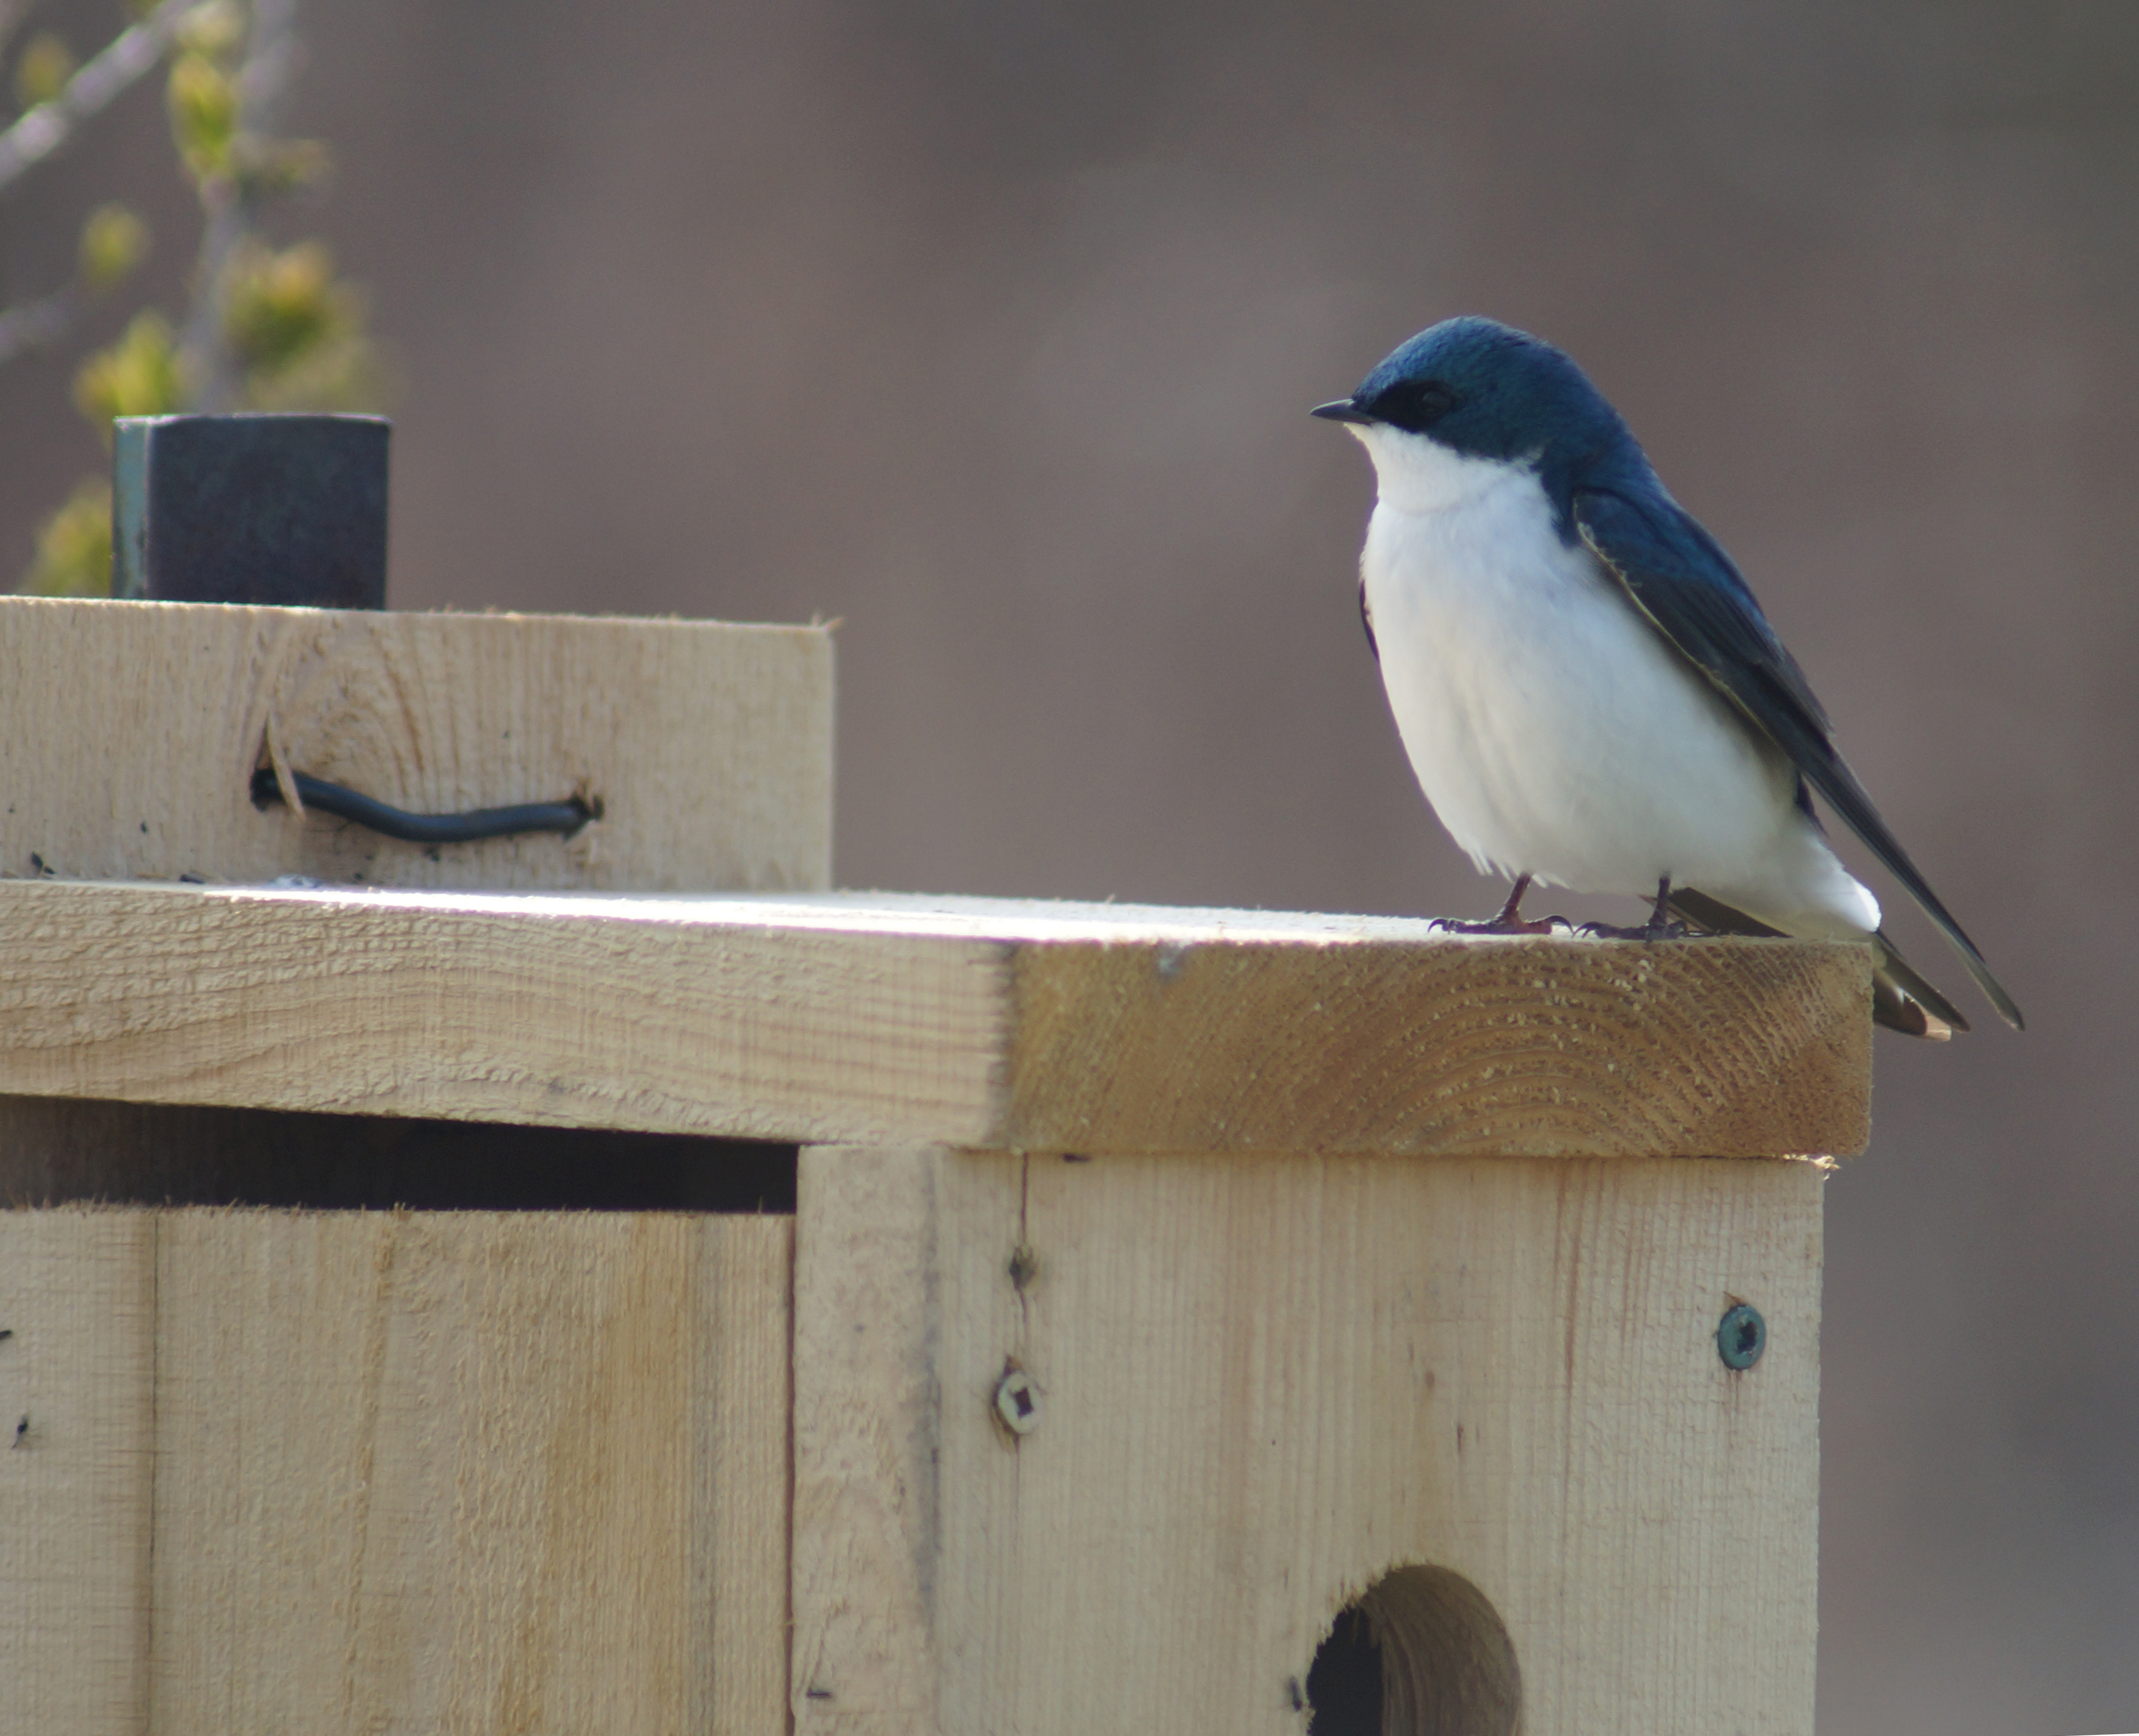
1017	1401
1741	1337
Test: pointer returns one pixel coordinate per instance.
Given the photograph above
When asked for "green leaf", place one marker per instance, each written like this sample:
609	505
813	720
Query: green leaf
43	69
270	166
139	375
74	546
278	305
114	241
202	99
215	29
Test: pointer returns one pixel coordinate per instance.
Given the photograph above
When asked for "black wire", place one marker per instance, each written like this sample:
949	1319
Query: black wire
565	817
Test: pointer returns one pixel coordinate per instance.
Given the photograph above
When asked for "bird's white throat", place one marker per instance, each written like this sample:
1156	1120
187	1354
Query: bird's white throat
1416	474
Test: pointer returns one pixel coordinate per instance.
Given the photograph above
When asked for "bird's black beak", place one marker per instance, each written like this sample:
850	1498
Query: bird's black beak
1342	410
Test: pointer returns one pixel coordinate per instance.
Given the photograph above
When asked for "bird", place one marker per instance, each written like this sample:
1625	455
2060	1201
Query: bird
1589	694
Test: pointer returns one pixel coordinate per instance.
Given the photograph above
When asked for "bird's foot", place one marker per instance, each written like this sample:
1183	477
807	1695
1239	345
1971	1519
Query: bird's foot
1500	925
1509	920
1650	931
1659	926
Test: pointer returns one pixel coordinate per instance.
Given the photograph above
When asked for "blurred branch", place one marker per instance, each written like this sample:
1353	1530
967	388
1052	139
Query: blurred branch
270	62
203	339
46	128
31	325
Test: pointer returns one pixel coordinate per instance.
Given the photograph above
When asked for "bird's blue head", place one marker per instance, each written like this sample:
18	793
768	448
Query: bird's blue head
1485	390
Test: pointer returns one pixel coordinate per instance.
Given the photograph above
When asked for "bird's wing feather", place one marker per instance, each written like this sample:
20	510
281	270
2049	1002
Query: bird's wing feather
1683	582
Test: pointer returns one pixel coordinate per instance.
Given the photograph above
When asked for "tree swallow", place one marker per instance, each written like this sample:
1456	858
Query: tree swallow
1588	693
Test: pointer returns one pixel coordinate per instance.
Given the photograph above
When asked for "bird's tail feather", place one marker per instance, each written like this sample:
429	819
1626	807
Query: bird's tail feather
1831	775
1901	999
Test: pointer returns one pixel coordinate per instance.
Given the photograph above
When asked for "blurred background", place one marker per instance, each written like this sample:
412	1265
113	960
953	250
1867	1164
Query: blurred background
990	329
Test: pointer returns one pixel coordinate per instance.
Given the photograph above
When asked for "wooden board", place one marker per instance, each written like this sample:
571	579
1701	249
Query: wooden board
129	733
428	1472
867	1017
1266	1381
77	1294
411	1473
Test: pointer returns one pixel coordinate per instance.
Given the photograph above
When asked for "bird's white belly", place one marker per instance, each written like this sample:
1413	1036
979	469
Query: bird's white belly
1552	728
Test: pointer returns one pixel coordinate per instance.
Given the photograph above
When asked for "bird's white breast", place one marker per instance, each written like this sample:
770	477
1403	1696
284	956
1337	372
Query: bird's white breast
1553	730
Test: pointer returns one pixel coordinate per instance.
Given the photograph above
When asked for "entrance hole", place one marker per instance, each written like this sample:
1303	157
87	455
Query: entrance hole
1423	1652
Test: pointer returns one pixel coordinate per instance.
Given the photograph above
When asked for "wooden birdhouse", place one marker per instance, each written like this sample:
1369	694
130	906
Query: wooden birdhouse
1003	1317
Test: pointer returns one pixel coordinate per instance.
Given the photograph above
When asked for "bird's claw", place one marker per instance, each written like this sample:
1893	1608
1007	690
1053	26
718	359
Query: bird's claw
1497	925
1640	931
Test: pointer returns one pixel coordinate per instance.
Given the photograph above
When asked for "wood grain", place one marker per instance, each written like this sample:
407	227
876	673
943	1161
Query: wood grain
1266	1382
426	1472
871	1018
1544	1047
77	1298
867	1437
411	1473
129	733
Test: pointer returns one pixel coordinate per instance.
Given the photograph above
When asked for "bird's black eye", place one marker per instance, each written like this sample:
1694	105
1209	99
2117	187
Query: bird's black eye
1414	405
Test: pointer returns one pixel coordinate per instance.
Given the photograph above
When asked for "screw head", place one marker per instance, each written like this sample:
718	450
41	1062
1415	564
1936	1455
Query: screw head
1017	1402
1740	1337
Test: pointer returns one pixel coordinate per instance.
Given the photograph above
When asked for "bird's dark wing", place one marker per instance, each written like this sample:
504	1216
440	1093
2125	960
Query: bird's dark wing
1685	584
1367	621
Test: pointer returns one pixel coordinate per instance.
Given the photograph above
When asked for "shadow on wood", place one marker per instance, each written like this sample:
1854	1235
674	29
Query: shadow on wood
55	1149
